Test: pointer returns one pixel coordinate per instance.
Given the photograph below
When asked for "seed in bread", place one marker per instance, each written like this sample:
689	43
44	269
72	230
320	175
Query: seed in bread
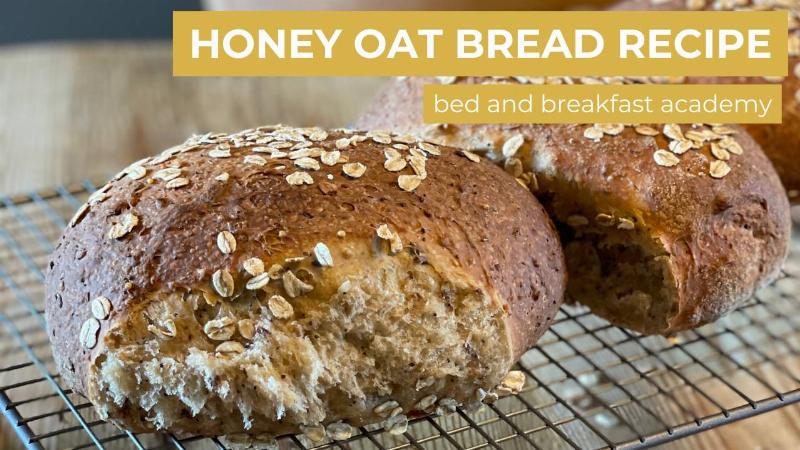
257	303
661	233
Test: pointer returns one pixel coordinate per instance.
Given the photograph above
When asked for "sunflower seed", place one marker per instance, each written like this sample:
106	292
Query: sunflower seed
323	255
695	5
247	328
611	129
679	147
626	224
257	282
294	286
395	164
330	158
279	307
164	330
383	232
425	403
719	152
723	130
645	130
665	158
222	177
731	145
124	226
423	383
220	153
342	143
99	195
344	288
408	182
385	408
673	131
315	433
226	242
275	271
219	329
429	148
254	266
719	169
167	174
354	170
307	163
396	425
512	145
470	156
605	220
447	406
88	334
593	133
340	431
177	183
277	145
79	215
101	308
513	382
223	283
299	178
417	163
278	154
793	42
382	138
135	172
229	348
318	135
255	159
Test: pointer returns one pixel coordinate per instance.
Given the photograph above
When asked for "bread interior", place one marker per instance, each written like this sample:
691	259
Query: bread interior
397	330
622	275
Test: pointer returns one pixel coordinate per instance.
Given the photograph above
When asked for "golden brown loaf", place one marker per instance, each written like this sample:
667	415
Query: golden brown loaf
282	280
781	142
665	227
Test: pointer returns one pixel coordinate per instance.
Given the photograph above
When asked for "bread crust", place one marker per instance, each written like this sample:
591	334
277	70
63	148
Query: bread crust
724	237
467	218
780	141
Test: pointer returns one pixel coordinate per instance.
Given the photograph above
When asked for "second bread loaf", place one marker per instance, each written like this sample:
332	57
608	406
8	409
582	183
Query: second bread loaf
665	227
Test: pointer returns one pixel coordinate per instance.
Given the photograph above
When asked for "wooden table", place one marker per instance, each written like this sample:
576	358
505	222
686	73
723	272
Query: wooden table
71	111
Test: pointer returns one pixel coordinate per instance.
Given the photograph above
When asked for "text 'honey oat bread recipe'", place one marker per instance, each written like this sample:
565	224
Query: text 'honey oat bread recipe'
780	141
281	280
665	227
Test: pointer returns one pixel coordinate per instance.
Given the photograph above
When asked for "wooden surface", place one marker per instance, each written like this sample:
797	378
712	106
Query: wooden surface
72	111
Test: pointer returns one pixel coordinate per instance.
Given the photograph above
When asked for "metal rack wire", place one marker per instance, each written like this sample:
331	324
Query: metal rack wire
590	385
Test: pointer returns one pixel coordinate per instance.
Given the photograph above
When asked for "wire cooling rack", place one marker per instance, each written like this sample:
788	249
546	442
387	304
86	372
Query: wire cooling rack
590	384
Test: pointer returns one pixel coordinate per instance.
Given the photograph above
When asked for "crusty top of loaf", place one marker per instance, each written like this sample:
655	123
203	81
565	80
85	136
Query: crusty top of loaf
471	212
779	141
702	219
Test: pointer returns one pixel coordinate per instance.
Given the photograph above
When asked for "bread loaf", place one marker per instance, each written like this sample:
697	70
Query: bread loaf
780	141
281	280
665	227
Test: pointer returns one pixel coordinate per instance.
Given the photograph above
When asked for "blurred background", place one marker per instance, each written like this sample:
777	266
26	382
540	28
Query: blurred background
86	87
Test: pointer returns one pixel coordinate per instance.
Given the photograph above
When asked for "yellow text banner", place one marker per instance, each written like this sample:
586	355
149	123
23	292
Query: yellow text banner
369	43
